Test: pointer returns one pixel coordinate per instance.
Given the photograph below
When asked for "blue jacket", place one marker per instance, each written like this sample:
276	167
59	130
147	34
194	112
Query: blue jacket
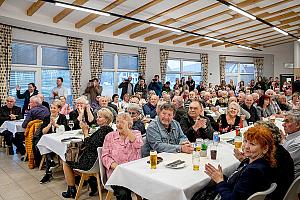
156	86
38	112
159	139
26	96
149	109
255	177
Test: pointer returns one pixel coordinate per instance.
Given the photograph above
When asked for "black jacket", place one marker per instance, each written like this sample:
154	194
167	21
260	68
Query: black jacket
74	115
124	86
5	112
62	120
186	124
253	113
26	96
139	125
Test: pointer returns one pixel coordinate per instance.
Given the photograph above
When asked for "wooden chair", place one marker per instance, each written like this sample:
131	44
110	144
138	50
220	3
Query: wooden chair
94	171
262	195
110	192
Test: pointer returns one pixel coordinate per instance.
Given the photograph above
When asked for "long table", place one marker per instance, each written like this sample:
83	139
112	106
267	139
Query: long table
52	142
14	126
164	183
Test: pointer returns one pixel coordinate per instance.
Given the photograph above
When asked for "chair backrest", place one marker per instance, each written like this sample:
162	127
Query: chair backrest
102	168
262	195
293	191
94	169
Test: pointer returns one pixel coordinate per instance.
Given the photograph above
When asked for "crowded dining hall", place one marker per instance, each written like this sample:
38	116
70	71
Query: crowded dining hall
150	99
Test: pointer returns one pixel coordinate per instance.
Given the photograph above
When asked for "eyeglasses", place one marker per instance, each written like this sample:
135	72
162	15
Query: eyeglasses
132	113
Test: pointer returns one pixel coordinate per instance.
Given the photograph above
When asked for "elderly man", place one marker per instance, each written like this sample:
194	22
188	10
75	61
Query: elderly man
283	104
103	103
273	103
241	98
150	107
195	124
250	108
9	112
135	112
37	111
292	144
165	135
180	111
255	97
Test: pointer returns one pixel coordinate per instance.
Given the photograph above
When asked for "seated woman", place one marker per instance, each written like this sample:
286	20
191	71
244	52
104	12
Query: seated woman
227	122
294	103
115	101
65	108
135	112
252	175
119	147
89	154
83	112
264	108
49	126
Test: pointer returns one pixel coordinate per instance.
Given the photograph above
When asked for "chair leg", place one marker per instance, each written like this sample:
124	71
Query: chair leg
42	162
138	197
83	177
99	185
109	195
25	157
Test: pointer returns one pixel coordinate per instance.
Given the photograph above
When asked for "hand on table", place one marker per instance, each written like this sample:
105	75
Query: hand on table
214	173
186	148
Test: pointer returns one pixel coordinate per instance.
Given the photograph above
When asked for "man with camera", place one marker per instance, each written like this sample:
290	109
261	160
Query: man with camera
127	87
155	85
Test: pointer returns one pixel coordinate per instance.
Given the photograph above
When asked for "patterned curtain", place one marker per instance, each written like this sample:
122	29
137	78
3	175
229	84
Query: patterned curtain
5	60
259	65
75	64
96	59
164	54
142	60
222	60
204	66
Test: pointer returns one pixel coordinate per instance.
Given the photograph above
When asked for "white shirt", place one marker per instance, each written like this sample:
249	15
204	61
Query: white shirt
62	91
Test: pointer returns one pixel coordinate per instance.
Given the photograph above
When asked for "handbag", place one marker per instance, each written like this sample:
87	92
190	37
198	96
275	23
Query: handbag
74	151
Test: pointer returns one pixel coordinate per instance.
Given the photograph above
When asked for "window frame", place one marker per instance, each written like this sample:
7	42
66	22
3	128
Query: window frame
238	74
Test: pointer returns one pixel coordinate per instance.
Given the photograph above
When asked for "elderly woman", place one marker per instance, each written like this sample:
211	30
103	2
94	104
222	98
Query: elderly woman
227	122
89	154
264	108
50	125
119	147
83	112
294	103
251	176
125	101
65	108
135	112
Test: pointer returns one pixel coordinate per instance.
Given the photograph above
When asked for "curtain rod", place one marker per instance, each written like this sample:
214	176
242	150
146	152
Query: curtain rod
183	51
243	56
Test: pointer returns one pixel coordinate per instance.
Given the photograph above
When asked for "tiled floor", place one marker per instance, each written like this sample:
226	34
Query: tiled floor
17	182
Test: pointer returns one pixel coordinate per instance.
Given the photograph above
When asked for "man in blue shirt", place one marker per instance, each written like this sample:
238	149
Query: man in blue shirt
164	134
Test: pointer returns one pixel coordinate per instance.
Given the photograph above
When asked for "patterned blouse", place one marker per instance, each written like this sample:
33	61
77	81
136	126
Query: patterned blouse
120	151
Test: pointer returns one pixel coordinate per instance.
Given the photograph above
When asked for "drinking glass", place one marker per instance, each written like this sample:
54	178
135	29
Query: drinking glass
71	124
153	159
213	152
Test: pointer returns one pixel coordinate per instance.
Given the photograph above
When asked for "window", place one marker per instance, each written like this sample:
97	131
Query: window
117	67
178	68
40	65
239	72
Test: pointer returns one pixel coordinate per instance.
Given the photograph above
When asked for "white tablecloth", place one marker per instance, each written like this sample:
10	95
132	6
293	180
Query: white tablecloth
13	126
164	183
52	142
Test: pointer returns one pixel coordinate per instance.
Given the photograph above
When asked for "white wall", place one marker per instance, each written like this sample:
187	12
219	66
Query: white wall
274	56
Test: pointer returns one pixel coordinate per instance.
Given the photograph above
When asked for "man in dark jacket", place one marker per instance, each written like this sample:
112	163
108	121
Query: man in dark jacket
195	124
191	83
250	108
31	91
127	87
9	112
155	85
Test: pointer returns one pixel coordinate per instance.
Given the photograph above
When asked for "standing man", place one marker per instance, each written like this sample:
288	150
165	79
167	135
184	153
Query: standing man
127	87
141	88
31	91
292	144
59	90
165	135
93	90
191	83
9	112
156	85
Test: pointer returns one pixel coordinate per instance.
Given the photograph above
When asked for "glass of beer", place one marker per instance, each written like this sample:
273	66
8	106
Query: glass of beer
153	159
238	142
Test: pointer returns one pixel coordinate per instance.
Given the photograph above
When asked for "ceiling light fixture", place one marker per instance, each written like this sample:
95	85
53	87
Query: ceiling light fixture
213	39
298	40
165	27
89	10
280	31
244	47
242	12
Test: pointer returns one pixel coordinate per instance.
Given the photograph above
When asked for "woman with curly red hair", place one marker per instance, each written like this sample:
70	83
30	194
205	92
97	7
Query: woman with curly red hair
252	176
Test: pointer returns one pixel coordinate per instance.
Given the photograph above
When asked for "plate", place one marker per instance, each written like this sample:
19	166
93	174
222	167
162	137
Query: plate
183	165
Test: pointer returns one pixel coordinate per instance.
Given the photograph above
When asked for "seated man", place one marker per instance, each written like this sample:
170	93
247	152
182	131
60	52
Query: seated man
292	144
195	124
150	107
164	134
9	112
180	111
283	103
250	108
103	103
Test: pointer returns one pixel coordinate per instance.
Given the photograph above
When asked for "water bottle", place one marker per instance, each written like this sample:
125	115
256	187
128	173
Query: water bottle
216	138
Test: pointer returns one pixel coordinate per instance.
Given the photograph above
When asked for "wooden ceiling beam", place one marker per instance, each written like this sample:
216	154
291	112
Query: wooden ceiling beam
34	7
242	4
102	27
150	29
92	16
65	12
136	24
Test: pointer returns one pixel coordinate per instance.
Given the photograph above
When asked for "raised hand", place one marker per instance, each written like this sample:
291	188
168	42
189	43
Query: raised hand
215	174
18	87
